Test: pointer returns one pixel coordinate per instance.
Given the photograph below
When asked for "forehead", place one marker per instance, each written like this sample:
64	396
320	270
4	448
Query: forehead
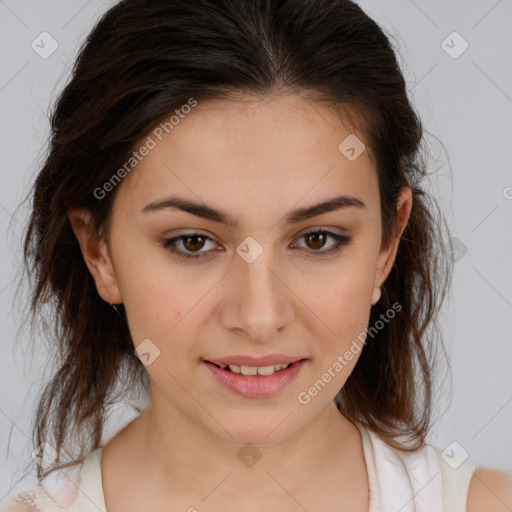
243	124
230	151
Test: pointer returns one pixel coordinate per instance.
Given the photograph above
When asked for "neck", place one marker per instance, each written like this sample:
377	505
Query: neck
174	444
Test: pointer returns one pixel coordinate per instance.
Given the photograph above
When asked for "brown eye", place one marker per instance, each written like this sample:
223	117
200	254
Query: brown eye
316	239
190	243
193	243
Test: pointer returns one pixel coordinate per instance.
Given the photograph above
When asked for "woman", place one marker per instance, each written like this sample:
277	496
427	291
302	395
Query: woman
231	217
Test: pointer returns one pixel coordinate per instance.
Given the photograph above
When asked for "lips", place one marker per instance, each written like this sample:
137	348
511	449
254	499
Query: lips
255	386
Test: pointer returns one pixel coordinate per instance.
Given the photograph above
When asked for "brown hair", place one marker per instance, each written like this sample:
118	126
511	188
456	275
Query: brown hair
141	62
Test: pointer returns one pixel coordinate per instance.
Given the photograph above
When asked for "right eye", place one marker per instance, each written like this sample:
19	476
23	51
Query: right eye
190	241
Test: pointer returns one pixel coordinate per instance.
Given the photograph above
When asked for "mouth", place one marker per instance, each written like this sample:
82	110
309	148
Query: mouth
255	381
254	370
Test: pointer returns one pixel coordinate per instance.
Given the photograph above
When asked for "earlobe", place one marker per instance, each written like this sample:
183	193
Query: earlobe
387	254
96	256
376	295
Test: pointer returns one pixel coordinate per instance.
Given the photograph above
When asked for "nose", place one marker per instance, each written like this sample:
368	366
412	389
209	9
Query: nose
258	300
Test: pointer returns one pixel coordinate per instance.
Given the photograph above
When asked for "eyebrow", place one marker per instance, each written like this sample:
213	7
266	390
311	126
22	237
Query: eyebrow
293	217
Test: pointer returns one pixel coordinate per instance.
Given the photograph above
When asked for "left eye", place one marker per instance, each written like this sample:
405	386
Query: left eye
317	238
193	242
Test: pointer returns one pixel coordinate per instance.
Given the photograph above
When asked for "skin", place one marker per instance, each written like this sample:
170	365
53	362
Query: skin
256	159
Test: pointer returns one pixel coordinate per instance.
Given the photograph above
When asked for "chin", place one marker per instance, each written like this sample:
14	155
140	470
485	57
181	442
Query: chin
245	429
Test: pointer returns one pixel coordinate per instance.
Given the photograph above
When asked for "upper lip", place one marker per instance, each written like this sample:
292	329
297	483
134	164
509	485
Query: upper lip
269	360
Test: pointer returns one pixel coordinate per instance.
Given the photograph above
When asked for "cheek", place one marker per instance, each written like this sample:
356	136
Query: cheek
152	296
166	303
158	306
343	307
339	299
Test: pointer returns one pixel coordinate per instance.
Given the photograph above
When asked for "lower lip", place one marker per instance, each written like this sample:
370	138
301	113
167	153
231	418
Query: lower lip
256	386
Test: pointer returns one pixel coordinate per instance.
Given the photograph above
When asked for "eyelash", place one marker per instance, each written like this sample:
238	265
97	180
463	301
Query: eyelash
341	241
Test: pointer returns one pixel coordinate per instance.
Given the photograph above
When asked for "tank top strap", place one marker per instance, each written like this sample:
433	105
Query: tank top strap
38	499
409	482
55	489
90	492
456	476
369	459
79	485
62	490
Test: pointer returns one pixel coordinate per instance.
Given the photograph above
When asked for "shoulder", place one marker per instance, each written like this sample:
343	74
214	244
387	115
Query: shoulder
17	507
489	490
56	491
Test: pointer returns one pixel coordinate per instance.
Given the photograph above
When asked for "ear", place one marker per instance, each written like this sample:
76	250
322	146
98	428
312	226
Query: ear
96	255
387	253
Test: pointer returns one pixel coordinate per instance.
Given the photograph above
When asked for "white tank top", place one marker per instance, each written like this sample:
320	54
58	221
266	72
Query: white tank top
407	482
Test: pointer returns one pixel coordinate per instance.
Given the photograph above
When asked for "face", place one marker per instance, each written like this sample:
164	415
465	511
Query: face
267	276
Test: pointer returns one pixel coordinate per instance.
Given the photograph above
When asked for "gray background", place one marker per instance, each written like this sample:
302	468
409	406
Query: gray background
464	100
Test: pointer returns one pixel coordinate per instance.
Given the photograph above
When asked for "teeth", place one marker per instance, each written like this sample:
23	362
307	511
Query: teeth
267	370
256	370
248	370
